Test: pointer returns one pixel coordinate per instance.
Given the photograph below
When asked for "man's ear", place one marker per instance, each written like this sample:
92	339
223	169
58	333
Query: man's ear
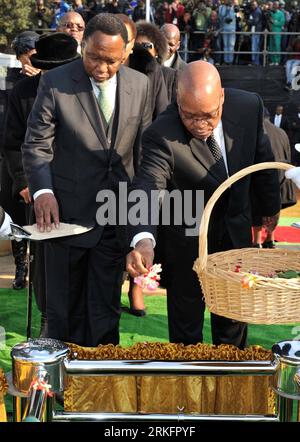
222	96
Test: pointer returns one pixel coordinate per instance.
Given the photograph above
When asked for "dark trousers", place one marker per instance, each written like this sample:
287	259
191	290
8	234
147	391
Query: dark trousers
83	288
186	307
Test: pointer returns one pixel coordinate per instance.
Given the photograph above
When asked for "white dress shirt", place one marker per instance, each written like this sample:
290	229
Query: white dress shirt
277	120
113	91
170	61
219	137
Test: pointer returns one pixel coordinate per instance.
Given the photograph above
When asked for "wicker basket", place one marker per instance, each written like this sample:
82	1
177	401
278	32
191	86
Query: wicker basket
269	300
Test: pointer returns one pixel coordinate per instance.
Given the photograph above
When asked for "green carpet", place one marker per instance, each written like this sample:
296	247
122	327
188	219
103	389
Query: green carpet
151	328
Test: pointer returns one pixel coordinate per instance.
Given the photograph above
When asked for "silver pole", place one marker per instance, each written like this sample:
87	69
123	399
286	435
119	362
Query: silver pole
190	368
132	417
148	10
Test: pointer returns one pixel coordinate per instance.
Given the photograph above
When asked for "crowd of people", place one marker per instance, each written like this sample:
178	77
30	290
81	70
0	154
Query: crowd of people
110	100
211	25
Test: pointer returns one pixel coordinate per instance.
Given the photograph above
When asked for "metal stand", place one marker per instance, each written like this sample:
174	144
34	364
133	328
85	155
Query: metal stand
45	361
29	290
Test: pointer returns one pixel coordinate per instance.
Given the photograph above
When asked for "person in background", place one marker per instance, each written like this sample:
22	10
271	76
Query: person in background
149	36
41	15
282	152
227	19
295	135
72	23
277	24
172	34
255	23
291	66
139	12
279	119
52	50
13	203
24	47
60	8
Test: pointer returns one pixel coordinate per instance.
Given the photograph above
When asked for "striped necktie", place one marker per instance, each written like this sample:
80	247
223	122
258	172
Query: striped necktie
217	154
105	101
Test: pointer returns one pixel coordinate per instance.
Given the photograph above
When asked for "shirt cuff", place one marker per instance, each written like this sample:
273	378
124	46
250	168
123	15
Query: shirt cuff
140	236
5	229
294	175
40	192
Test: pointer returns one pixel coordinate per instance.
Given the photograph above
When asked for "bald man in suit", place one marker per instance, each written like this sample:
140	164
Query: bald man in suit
195	144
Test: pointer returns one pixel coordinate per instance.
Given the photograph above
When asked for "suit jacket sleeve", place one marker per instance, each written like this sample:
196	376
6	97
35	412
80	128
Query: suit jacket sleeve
264	184
15	130
39	141
155	170
2	216
145	122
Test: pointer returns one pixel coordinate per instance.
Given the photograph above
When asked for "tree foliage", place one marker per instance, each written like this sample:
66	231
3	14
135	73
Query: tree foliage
14	18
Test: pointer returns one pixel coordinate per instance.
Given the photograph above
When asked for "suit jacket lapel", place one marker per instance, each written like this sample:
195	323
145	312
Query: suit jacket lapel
233	136
124	92
201	151
84	92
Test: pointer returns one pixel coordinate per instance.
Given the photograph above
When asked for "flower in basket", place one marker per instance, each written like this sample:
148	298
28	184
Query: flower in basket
248	281
150	279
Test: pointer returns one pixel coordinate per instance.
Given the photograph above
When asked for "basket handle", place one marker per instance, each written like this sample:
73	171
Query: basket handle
203	229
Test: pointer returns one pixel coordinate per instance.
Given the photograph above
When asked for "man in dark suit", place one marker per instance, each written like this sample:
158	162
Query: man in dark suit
84	136
52	50
180	152
280	120
295	136
282	152
172	34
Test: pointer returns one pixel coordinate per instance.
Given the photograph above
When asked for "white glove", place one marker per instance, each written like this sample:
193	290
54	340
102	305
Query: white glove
5	229
294	175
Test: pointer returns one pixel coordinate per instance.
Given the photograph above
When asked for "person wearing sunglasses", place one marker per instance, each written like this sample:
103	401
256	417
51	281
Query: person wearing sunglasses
150	37
73	24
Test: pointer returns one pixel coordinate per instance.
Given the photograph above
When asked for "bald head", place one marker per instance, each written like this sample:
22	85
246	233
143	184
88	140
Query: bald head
170	31
73	24
200	97
172	34
200	79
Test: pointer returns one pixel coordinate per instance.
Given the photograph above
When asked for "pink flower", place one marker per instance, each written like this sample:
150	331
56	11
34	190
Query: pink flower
149	280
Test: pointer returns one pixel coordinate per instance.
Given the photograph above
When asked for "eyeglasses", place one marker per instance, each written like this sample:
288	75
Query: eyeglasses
206	118
73	25
147	45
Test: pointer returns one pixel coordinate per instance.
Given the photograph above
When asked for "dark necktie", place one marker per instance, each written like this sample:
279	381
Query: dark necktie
217	154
